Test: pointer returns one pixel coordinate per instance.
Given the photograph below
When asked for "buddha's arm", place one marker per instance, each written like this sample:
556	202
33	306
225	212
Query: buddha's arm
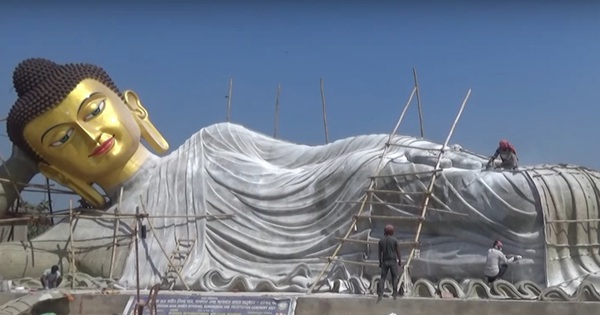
20	169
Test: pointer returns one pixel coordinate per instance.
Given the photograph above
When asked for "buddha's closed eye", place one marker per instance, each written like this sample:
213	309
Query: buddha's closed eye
64	139
96	111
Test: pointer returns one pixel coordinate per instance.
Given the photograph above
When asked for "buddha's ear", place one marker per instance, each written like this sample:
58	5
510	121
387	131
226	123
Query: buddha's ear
83	189
149	132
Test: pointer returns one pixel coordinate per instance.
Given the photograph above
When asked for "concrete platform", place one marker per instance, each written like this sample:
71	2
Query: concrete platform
92	303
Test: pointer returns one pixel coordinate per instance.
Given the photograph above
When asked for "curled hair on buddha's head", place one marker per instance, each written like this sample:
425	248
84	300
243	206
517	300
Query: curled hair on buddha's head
42	85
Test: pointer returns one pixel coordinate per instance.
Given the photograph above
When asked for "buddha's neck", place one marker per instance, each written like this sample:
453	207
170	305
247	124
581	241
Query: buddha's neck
113	180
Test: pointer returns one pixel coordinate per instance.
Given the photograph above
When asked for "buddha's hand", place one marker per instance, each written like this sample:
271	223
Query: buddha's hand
23	159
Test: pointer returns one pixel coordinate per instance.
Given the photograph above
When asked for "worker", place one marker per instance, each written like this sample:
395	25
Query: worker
51	278
496	263
389	260
507	153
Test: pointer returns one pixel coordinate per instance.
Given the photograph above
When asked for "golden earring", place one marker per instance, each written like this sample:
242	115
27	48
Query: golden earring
149	132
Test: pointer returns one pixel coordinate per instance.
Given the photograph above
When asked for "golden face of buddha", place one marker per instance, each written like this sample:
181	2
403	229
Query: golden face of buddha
90	134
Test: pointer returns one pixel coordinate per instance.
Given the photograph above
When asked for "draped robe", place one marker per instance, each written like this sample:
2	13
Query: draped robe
292	203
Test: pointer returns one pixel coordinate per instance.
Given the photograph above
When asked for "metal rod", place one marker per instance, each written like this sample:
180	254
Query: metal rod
116	228
162	248
229	93
324	112
276	124
419	103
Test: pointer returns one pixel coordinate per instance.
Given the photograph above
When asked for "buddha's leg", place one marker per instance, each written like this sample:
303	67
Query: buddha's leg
92	247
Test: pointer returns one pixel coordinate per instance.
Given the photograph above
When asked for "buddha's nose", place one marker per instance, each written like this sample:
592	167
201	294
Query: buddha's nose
91	134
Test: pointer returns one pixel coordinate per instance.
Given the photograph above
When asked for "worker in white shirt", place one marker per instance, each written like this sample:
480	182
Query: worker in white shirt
497	263
51	278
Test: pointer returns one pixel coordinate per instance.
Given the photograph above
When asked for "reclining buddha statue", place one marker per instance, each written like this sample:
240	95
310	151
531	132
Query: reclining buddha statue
289	203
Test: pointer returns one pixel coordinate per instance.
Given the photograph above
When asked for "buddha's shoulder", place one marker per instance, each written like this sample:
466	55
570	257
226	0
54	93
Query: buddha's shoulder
224	129
225	132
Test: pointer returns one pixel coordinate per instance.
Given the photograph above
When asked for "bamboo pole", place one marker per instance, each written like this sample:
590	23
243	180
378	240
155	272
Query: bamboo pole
389	217
366	195
71	245
351	262
23	219
433	178
162	248
137	257
352	240
421	127
324	109
121	215
383	191
54	190
199	217
408	206
395	130
408	146
114	248
276	127
573	221
407	174
575	245
11	234
49	199
229	93
8	180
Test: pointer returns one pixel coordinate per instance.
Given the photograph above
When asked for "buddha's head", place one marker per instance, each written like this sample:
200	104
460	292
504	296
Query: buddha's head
79	128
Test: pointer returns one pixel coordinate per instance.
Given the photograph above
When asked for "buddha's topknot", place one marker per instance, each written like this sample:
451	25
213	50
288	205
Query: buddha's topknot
41	85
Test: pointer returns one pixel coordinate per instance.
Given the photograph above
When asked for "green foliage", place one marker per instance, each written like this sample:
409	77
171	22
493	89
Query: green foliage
37	227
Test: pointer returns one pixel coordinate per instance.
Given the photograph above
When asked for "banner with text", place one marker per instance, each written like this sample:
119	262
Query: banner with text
175	304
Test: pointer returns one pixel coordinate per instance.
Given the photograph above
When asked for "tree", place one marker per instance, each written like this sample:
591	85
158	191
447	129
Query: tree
36	227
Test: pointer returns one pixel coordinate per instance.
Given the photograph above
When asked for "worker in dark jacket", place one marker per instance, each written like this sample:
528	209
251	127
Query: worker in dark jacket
507	154
389	260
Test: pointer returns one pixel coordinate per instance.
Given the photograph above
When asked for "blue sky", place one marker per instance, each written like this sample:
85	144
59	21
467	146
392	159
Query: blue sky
533	66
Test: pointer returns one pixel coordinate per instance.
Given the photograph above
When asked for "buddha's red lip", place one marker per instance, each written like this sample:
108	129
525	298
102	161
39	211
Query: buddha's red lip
104	147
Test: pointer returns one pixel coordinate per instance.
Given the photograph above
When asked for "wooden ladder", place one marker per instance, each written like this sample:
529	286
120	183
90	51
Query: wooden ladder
178	259
372	189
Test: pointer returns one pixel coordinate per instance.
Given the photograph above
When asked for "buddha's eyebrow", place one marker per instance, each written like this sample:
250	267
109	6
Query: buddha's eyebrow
85	100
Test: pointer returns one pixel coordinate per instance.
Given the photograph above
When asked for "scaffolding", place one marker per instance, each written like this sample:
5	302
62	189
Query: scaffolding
373	190
138	217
